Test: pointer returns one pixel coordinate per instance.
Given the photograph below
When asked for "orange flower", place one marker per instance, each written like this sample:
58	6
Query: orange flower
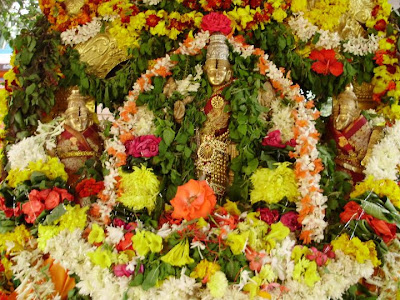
193	200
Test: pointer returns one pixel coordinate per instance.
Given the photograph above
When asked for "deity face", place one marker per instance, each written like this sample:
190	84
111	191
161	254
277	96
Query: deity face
78	116
218	71
348	112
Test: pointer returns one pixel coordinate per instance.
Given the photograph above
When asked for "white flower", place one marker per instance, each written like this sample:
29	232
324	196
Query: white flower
143	122
81	33
26	151
165	230
199	245
114	234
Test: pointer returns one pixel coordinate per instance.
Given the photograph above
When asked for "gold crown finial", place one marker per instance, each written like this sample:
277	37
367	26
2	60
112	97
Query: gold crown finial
217	48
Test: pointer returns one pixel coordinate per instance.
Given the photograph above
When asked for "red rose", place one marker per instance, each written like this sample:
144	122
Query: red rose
380	25
352	211
52	200
143	146
216	22
64	194
89	187
290	220
268	216
32	209
10	211
386	231
273	139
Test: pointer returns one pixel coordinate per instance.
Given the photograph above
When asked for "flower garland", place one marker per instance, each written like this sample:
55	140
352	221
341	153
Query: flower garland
385	156
3	114
81	33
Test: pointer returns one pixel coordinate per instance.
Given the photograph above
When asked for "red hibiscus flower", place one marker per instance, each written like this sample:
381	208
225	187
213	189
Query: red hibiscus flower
385	230
352	211
89	187
326	62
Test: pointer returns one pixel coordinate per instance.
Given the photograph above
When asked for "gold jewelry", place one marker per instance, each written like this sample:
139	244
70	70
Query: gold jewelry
77	154
217	102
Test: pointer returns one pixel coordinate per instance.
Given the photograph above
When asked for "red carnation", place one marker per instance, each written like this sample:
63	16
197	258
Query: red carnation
89	187
326	62
216	22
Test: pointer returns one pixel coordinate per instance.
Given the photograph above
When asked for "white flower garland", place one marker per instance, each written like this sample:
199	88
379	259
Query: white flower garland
35	280
81	33
385	157
305	30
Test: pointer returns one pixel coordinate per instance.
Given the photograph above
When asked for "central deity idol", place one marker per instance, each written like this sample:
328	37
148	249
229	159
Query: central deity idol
214	144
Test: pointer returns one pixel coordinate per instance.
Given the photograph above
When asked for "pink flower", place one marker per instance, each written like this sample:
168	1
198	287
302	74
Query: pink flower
290	220
328	250
32	209
273	139
269	216
143	146
319	257
216	22
255	258
121	270
118	222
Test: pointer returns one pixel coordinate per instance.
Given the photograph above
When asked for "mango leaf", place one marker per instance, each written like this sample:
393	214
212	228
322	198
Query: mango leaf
168	136
55	214
151	278
376	211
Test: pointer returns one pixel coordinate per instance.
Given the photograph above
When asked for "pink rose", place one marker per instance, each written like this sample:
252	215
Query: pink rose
269	216
216	22
290	220
52	200
143	146
32	209
273	139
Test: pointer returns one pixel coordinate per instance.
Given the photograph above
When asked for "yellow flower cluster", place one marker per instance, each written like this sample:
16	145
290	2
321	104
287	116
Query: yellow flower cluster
74	218
96	234
101	257
390	112
205	269
52	168
218	284
3	113
140	189
381	187
304	269
146	241
272	186
382	14
179	255
14	241
361	251
265	276
326	13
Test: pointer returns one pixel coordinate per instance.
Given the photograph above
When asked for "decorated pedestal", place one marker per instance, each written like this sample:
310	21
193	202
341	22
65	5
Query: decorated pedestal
202	150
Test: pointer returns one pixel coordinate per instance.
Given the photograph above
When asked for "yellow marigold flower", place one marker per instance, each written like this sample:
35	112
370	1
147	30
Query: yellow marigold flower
237	242
140	187
305	270
272	186
15	241
102	258
279	15
218	285
381	187
231	207
298	5
52	168
96	235
205	269
146	241
7	267
179	255
278	233
391	112
160	29
173	33
355	247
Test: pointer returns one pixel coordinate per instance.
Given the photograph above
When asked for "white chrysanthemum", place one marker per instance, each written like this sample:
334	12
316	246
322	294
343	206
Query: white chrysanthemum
114	234
81	33
24	152
385	155
282	120
151	2
143	122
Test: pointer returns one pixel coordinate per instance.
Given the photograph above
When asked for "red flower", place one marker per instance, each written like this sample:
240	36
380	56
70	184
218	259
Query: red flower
375	11
152	20
379	56
290	220
269	216
143	146
52	200
89	187
216	22
64	194
126	243
32	209
352	211
380	25
326	62
385	230
273	139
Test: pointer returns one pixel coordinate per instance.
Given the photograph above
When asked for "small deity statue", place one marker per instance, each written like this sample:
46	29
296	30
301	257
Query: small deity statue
354	136
215	147
80	140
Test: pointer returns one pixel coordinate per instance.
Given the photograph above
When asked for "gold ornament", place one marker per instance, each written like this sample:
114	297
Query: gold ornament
77	115
364	94
345	108
74	6
102	54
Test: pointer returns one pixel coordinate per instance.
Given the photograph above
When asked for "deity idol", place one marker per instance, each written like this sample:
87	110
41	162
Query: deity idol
80	140
215	148
354	136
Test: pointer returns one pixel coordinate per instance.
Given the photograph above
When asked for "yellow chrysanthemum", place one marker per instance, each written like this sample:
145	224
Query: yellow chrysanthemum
205	269
74	218
272	186
326	14
140	189
218	284
237	242
146	241
381	187
52	168
96	235
101	257
179	255
15	241
361	251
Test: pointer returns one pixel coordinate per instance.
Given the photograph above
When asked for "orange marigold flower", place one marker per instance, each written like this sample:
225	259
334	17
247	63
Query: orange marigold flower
193	200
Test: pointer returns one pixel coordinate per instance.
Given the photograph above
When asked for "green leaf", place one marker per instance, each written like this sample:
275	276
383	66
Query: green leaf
30	89
168	136
137	280
151	278
55	214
